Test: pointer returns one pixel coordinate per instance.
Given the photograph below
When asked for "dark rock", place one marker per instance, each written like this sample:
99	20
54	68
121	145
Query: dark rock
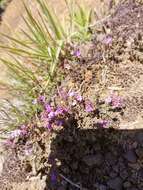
139	138
110	159
140	186
97	147
127	184
140	174
134	166
116	168
131	156
124	174
92	160
102	187
139	152
115	183
121	160
113	174
61	188
122	166
133	178
74	165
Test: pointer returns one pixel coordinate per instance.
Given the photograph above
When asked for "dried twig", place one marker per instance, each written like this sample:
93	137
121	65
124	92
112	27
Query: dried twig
100	21
69	181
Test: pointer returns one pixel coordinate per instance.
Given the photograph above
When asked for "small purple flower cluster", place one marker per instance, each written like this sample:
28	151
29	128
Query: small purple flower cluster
115	101
108	40
9	143
78	99
28	150
19	132
89	106
77	53
55	115
41	99
104	123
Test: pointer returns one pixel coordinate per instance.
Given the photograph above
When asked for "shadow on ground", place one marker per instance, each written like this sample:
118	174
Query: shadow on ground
101	159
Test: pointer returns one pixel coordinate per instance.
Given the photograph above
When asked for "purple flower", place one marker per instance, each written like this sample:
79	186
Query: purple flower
104	123
108	100
24	132
49	126
42	99
71	94
23	127
34	102
48	108
59	123
19	132
107	40
79	98
115	101
89	106
77	53
28	151
51	115
10	143
16	133
61	111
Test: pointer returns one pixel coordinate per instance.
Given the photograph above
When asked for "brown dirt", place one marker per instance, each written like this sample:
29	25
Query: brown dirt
118	66
106	159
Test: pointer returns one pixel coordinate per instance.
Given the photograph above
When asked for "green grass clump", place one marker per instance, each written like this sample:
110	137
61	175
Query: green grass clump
33	61
4	3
